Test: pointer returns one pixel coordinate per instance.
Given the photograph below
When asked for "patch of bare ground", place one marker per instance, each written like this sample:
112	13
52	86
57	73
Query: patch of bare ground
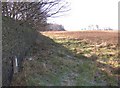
110	37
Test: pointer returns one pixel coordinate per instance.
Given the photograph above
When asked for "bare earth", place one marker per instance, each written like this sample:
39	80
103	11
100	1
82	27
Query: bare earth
93	36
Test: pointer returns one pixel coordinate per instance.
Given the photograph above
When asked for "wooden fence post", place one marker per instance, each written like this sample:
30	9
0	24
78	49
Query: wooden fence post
15	64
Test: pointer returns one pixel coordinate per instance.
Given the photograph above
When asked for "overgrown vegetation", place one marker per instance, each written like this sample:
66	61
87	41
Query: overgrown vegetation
69	62
16	40
20	20
35	12
57	61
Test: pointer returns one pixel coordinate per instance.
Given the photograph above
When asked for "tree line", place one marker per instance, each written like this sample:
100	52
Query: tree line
96	27
34	13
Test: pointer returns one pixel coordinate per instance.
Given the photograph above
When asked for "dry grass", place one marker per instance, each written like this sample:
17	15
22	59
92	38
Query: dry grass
72	59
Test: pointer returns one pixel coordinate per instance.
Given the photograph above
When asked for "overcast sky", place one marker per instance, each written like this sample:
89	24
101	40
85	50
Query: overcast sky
90	12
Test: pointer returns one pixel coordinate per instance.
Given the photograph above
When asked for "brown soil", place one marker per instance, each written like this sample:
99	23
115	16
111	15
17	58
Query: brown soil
110	37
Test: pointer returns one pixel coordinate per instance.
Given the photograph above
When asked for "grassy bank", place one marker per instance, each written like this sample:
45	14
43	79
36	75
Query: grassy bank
69	62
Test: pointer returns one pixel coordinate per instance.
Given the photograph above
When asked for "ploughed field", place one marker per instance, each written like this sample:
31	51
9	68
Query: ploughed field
110	37
61	58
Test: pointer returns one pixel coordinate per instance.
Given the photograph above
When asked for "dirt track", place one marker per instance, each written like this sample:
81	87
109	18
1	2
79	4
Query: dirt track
110	37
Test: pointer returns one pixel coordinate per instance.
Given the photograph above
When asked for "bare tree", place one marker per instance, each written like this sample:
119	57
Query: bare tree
34	13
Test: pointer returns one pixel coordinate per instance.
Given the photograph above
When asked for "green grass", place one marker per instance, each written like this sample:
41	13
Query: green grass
67	65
